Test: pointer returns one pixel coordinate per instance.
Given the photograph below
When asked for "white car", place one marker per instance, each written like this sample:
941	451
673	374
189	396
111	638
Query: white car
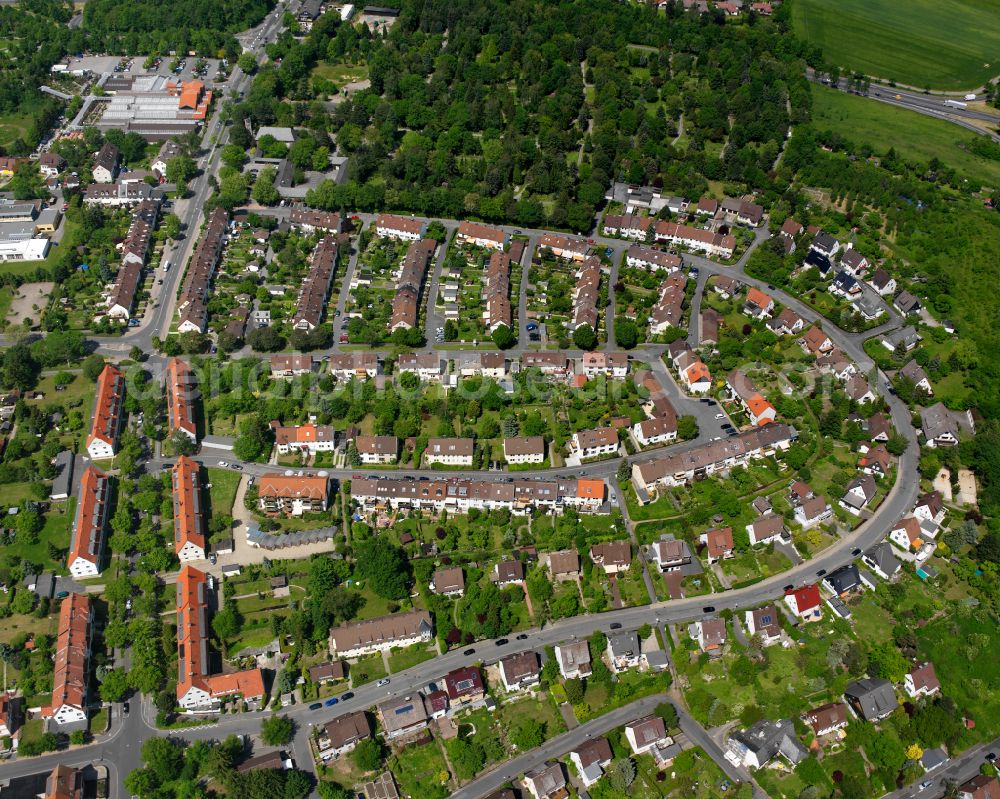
223	463
383	681
720	416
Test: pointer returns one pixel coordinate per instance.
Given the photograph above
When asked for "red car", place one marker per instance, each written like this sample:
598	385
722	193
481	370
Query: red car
343	339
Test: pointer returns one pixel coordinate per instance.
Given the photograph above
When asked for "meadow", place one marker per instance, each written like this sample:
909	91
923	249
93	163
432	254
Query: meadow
921	43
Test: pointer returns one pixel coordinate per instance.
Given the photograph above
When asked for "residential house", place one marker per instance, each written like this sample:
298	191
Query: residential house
906	303
524	449
479	235
939	425
742	212
591	759
573	659
760	743
693	373
327	672
791	230
827	718
86	549
181	388
291	365
844	581
292	496
815	341
812	511
758	304
340	736
786	323
907	535
658	430
106	164
311	438
915	374
710	634
354	365
904	339
854	262
448	582
671	554
168	151
766	529
51	164
464	686
858	390
764	622
108	415
825	244
929	507
726	286
403	715
594	443
547	781
377	449
508	572
381	634
520	672
70	695
609	364
189	511
449	451
921	680
980	787
614	556
871	699
710	321
401	228
623	650
805	602
428	366
875	461
883	283
845	285
881	560
860	491
757	408
645	734
718	544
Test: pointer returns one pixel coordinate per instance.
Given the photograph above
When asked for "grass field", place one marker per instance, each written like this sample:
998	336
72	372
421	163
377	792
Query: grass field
222	494
914	136
922	43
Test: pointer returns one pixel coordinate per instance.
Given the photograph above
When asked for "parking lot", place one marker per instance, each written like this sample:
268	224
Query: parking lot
109	64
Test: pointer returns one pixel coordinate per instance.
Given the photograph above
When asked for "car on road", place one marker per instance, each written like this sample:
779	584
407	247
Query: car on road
926	784
856	551
820	572
316	706
331	701
213	558
720	416
501	641
469	651
343	339
789	587
62	595
522	637
771	287
708	609
694	271
383	681
348	695
125	709
531	326
616	625
223	463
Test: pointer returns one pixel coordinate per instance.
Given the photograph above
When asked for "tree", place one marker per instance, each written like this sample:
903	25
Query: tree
667	712
182	443
265	339
247	62
331	790
180	169
164	757
367	755
254	440
298	784
585	338
114	685
504	338
171	226
527	733
18	368
385	566
626	333
29	524
885	661
227	622
277	730
687	428
574	690
621	774
264	190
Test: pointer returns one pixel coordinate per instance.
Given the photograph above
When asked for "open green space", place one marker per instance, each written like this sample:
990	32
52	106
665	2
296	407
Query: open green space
341	73
410	656
222	494
921	43
421	770
915	137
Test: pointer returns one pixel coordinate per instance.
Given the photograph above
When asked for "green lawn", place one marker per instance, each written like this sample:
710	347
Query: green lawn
223	491
421	771
402	659
950	45
367	669
914	136
341	73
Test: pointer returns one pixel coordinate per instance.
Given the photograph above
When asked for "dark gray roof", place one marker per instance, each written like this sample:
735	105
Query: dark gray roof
844	579
873	699
770	738
881	558
64	474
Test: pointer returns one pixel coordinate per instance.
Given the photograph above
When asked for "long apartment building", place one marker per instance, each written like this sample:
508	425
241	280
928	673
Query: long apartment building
496	292
459	495
315	289
189	511
565	247
180	384
381	634
715	456
651	259
479	235
86	549
400	228
409	284
586	294
310	220
109	413
197	687
72	661
135	250
192	304
717	244
292	496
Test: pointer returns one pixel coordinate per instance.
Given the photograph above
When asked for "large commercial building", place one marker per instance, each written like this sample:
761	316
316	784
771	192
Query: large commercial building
153	106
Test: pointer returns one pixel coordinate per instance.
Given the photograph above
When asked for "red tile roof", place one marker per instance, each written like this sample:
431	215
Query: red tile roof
69	680
108	406
91	516
189	515
180	382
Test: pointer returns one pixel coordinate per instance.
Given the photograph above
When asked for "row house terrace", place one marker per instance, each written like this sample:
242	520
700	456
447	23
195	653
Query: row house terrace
315	289
192	304
72	661
86	549
409	283
181	386
189	510
310	220
109	412
586	294
651	259
496	292
479	235
458	496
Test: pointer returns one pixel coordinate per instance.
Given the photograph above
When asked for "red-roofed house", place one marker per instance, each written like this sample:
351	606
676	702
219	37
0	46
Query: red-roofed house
86	547
180	395
189	513
718	543
805	602
921	680
464	685
69	679
102	443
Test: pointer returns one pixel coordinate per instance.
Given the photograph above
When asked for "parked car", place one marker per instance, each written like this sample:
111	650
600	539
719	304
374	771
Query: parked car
331	701
316	706
383	681
468	652
349	695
